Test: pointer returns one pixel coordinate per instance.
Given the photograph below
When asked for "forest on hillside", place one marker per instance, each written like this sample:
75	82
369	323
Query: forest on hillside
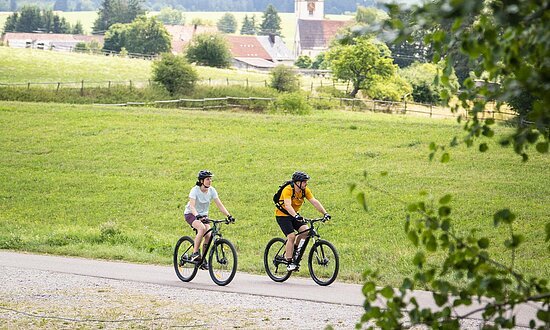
331	6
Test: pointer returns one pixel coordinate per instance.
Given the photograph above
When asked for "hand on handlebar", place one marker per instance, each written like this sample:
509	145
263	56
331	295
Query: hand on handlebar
230	219
326	217
299	218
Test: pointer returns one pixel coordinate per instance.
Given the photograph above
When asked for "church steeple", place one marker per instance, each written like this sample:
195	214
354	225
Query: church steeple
309	9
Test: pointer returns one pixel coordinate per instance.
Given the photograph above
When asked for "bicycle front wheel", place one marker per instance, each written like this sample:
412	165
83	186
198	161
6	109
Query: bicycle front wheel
185	269
223	262
323	262
274	256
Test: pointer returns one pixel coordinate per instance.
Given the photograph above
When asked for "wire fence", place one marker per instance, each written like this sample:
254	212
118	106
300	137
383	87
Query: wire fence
259	103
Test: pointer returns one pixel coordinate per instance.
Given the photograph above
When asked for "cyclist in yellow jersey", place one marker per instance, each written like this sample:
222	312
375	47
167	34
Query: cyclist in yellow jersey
291	200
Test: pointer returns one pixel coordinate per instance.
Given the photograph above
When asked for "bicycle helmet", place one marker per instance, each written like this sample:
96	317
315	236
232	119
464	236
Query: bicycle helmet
300	176
203	174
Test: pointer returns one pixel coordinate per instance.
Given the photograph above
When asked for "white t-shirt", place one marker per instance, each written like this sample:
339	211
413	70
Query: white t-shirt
202	200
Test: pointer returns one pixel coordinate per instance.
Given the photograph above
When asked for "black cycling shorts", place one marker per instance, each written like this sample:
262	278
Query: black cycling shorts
288	224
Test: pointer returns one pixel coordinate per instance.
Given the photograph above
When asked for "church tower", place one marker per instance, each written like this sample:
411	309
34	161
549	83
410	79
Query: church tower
309	9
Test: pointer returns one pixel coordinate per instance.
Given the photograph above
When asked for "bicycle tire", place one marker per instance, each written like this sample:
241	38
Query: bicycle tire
222	262
323	262
185	270
275	248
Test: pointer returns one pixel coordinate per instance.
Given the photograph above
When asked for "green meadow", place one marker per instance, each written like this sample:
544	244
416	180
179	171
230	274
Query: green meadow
34	65
107	182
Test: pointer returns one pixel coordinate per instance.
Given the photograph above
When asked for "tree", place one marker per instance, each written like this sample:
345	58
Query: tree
172	16
319	62
249	26
422	77
29	19
284	79
210	49
271	22
303	62
11	23
227	23
174	73
116	11
360	63
147	36
115	38
78	29
520	65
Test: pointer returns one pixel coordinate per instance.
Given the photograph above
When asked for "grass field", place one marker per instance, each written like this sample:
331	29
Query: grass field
112	182
34	65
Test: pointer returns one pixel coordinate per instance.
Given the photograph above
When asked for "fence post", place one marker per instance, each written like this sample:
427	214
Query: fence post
82	88
227	79
246	82
311	87
130	85
352	104
373	106
209	81
265	83
109	85
149	82
28	85
430	110
405	111
58	84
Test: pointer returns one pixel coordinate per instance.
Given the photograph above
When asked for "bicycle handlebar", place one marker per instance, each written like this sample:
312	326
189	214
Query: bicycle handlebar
219	221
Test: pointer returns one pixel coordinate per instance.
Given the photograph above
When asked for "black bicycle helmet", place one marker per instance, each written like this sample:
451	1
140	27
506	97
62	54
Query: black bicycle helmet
203	174
300	176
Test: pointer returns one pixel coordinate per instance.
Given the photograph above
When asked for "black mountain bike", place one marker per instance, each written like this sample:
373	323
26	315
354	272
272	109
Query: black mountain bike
323	261
222	260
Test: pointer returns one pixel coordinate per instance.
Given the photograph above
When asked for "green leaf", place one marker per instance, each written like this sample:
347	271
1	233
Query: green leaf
444	211
445	199
433	146
407	284
431	244
387	292
362	200
483	243
368	287
504	216
383	173
352	187
419	259
440	299
483	147
413	237
445	157
547	228
542	147
445	225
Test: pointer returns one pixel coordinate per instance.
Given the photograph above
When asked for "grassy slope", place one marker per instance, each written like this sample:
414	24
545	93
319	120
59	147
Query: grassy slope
66	171
24	65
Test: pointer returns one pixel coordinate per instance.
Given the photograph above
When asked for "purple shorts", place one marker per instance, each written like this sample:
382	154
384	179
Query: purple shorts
189	217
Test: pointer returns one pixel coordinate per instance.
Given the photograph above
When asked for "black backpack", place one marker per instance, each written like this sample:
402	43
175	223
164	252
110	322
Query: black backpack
277	196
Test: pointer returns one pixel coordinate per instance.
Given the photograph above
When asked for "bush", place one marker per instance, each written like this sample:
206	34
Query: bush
174	73
393	88
209	49
284	79
303	62
291	103
421	76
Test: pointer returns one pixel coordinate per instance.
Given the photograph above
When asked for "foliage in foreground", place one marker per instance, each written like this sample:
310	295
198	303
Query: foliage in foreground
509	43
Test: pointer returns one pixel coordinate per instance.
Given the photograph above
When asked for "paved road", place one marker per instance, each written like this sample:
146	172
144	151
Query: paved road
259	285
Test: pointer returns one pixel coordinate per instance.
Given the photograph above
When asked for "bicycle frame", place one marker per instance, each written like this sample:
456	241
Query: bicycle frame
216	235
312	234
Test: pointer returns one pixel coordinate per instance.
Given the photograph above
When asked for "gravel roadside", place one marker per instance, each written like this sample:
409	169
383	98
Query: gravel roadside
49	300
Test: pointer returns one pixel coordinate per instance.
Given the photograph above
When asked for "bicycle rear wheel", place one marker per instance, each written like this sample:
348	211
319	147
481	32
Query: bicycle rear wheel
274	255
185	269
323	262
223	262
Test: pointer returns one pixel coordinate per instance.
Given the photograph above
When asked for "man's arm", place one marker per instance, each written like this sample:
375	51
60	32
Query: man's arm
317	205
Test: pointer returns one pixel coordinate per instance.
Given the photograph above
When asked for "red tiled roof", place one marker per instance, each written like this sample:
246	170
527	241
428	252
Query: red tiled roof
247	46
182	34
318	33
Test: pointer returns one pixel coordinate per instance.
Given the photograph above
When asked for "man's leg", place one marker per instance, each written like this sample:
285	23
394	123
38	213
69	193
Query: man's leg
289	248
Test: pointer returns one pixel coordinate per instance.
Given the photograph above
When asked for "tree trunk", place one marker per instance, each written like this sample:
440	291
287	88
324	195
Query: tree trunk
354	91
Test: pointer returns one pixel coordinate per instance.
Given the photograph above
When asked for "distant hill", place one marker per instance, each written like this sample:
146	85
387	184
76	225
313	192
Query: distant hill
283	6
